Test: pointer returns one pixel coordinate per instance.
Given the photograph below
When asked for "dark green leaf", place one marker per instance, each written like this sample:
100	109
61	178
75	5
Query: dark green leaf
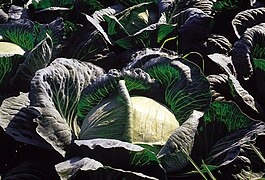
246	164
186	88
42	4
19	32
55	30
133	26
108	83
100	13
226	5
10	57
96	24
231	89
222	132
39	57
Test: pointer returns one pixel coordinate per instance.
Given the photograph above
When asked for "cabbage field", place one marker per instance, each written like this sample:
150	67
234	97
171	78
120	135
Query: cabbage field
132	89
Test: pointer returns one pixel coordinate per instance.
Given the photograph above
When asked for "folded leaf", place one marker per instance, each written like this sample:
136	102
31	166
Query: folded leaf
239	95
135	79
133	26
38	58
188	38
131	157
216	44
55	92
86	168
172	157
124	118
219	87
222	132
19	32
247	19
249	46
186	88
55	30
18	121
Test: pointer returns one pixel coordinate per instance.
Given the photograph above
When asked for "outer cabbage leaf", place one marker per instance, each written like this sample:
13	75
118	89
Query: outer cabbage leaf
103	86
18	121
213	43
88	44
96	24
172	157
219	87
216	44
132	157
131	27
10	57
124	118
19	32
39	57
246	164
247	19
132	19
86	168
185	87
55	30
139	58
188	38
238	94
174	22
250	45
224	62
55	92
222	132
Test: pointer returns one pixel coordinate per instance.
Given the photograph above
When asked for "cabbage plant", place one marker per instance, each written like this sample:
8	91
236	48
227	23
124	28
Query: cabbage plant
75	104
136	89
